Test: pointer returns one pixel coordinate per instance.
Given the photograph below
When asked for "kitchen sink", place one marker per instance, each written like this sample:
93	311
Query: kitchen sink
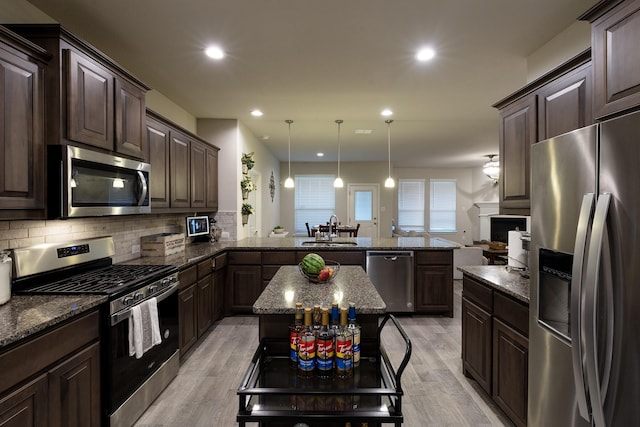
327	243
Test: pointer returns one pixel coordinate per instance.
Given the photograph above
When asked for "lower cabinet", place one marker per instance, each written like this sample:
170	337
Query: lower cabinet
60	386
495	346
243	281
434	282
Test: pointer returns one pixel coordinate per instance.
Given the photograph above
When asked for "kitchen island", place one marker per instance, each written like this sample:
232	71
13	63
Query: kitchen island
276	305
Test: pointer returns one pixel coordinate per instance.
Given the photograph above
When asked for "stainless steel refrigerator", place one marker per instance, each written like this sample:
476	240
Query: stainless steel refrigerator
584	336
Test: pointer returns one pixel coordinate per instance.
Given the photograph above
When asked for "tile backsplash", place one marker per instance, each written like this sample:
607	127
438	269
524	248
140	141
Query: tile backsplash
126	231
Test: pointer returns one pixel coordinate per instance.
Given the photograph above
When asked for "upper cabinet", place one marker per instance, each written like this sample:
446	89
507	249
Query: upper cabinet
22	148
91	100
558	102
615	26
184	168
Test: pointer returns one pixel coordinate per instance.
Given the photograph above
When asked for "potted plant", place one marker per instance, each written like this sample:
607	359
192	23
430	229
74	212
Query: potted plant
246	210
247	162
246	185
278	229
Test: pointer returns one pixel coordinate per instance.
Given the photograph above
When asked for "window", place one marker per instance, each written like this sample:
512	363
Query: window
411	204
443	206
315	200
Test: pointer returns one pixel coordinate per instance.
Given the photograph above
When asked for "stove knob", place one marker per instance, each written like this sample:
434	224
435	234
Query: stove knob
152	289
164	283
128	300
138	296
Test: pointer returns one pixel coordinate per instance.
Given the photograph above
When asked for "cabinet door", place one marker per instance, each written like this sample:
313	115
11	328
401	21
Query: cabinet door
616	59
22	138
434	289
180	176
518	125
212	178
188	318
74	390
244	286
205	304
130	113
218	294
89	101
27	406
198	174
565	104
476	343
158	140
510	378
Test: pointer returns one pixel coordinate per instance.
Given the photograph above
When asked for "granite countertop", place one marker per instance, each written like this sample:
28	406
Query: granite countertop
196	252
501	278
25	315
288	286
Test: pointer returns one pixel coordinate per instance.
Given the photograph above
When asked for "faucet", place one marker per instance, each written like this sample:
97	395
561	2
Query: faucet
331	225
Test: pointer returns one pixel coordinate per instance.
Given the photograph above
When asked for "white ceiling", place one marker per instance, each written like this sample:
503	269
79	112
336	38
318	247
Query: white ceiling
315	62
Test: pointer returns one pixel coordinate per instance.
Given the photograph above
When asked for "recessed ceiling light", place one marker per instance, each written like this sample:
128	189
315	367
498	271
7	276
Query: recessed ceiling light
363	131
320	154
256	113
214	52
386	112
425	54
265	137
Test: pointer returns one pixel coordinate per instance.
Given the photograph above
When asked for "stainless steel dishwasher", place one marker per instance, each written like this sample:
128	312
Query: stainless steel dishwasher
391	272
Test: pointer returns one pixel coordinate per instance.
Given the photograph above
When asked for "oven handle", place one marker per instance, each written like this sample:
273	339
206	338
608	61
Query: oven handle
125	314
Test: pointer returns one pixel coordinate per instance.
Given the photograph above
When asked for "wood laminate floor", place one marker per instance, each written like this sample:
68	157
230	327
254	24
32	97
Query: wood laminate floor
436	391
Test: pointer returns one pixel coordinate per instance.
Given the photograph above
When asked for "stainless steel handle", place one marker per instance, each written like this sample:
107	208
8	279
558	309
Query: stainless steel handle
145	188
125	314
592	288
391	258
584	224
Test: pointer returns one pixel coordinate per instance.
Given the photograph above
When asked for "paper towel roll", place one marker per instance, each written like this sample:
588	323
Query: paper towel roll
517	256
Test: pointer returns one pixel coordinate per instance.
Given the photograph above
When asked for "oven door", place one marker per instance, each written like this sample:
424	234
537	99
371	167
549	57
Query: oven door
126	373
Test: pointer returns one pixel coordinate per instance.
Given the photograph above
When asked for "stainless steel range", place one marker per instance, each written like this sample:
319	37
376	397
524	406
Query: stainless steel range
129	384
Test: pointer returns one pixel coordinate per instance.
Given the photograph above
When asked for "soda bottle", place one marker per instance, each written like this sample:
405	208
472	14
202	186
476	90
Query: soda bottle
307	348
294	331
324	352
344	348
355	328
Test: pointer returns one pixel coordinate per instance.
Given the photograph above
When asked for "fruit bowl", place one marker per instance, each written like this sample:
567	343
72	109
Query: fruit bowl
333	265
498	246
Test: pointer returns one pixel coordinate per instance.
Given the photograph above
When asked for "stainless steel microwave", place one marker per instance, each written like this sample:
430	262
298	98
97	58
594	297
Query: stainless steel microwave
85	183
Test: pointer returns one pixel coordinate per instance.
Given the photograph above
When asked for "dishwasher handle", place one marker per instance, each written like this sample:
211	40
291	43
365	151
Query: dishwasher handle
389	255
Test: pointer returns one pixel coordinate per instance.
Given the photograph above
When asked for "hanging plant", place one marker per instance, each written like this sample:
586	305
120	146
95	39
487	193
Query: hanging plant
247	209
247	162
247	184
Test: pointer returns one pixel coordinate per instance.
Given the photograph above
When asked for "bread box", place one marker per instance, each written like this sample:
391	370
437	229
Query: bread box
162	244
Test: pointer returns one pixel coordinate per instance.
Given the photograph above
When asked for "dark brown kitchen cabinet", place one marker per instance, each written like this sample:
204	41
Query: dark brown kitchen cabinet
91	100
60	384
74	399
205	296
434	282
555	103
272	261
615	26
198	162
187	309
211	178
342	257
158	137
219	285
243	281
26	406
495	345
22	146
180	170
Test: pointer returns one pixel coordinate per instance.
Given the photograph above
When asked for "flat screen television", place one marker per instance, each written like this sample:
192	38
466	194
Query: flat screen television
197	225
502	224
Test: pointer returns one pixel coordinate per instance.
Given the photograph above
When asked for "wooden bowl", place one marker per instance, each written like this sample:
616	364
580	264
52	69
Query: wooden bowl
497	246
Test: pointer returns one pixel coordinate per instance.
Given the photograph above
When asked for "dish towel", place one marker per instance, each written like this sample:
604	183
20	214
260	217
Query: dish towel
144	327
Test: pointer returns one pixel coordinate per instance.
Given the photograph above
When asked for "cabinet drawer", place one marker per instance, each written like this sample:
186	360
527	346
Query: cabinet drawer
511	312
245	257
279	258
220	261
433	257
268	271
478	293
343	257
188	277
205	267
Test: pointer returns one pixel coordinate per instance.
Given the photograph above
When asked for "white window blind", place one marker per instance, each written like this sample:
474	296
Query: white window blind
315	200
443	206
411	197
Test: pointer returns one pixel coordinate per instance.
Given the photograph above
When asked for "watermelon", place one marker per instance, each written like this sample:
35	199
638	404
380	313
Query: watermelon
311	264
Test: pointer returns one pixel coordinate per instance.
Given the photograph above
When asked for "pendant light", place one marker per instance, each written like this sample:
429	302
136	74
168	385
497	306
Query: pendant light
389	183
338	182
492	168
288	183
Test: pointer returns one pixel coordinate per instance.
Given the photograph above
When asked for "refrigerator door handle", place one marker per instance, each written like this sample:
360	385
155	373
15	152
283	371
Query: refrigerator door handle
597	385
584	224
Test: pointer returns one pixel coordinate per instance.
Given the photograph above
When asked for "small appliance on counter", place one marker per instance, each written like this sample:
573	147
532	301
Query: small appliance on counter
5	276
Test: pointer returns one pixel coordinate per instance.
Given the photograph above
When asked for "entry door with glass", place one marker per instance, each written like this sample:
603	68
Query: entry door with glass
363	208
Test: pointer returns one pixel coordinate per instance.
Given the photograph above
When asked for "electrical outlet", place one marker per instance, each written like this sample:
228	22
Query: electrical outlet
225	234
135	249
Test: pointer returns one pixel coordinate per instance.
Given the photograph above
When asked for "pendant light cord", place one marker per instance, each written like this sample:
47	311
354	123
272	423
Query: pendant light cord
289	123
388	122
339	122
